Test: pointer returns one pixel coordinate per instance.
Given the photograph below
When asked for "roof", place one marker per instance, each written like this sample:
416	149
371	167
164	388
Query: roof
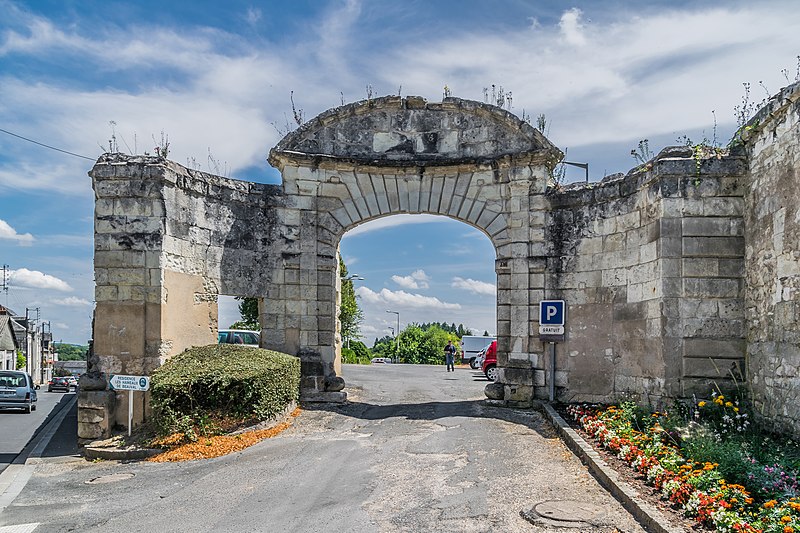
7	339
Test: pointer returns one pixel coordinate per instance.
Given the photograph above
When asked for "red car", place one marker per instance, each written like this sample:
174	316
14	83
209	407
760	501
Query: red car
489	366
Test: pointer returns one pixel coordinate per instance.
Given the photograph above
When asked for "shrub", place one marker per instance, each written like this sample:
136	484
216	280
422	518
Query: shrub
218	382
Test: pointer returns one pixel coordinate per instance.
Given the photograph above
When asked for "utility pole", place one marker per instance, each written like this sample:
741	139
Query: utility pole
4	281
28	330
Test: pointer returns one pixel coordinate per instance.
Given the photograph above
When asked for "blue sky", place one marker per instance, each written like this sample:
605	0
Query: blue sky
216	77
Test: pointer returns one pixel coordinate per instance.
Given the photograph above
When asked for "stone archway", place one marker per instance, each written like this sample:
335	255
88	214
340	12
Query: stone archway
469	161
168	239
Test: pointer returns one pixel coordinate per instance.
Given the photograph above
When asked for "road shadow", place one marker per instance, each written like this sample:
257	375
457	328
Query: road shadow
530	418
65	440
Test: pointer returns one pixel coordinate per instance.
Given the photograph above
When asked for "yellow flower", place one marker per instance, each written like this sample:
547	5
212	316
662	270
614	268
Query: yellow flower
735	409
701	404
786	519
728	404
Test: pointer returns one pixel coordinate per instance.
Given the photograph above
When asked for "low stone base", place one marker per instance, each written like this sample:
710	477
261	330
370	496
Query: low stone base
95	409
313	396
496	403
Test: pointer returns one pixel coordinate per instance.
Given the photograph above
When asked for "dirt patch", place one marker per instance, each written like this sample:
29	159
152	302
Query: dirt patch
216	446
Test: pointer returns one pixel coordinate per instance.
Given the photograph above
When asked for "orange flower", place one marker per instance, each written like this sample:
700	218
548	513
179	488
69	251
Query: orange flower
788	529
770	504
786	519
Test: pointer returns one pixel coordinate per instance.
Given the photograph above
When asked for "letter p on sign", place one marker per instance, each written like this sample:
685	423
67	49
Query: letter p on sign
551	312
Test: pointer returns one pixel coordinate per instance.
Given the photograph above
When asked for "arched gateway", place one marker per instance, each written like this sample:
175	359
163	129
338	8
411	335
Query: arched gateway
170	239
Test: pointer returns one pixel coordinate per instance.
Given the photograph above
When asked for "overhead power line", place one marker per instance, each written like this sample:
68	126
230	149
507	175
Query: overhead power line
45	145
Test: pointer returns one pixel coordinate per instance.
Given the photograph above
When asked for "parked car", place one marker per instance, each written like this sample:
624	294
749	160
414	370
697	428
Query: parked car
242	337
17	391
58	383
381	360
489	366
478	361
73	381
471	345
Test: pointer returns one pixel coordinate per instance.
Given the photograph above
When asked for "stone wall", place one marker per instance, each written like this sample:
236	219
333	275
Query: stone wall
657	267
650	265
168	239
772	222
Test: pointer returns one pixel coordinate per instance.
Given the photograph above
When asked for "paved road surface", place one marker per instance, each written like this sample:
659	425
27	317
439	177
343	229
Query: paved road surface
414	450
17	427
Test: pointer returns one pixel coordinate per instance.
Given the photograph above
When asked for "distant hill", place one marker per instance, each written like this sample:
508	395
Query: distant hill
71	352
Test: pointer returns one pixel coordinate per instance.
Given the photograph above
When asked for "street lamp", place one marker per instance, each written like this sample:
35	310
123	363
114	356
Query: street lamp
397	336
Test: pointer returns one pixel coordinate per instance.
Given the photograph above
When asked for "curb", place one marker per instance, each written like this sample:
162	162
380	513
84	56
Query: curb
118	454
647	515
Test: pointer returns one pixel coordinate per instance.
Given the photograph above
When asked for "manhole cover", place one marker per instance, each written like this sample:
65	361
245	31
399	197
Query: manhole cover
565	513
112	478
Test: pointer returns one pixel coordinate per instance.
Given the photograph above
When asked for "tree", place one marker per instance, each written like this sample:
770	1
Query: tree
425	345
71	352
350	315
21	361
248	309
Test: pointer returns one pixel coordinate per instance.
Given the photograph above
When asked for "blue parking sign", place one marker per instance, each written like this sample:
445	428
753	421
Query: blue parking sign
551	312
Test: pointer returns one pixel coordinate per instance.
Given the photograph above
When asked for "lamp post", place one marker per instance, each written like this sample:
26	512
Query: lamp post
397	336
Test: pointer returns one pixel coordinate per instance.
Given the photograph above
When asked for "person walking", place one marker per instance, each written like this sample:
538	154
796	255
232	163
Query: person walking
449	356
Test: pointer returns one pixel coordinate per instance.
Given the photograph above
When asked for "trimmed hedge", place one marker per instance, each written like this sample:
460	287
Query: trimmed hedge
222	380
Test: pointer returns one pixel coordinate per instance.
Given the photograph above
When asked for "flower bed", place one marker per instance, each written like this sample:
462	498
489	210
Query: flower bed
696	488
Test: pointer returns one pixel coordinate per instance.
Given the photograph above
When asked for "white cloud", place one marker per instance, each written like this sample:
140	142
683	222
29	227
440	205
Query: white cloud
571	27
417	280
403	299
72	301
394	221
7	232
38	280
253	15
474	286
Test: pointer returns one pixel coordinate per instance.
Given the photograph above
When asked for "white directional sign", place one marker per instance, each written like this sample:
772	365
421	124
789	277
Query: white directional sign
121	382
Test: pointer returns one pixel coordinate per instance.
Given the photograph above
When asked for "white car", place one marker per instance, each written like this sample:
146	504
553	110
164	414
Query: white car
381	360
478	362
242	337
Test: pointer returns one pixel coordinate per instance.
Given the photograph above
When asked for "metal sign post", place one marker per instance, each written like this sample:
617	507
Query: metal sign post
130	384
552	329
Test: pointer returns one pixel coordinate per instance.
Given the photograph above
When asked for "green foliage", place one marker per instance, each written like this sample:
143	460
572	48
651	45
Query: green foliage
350	315
21	361
425	346
219	381
71	352
357	353
384	347
459	330
729	455
248	309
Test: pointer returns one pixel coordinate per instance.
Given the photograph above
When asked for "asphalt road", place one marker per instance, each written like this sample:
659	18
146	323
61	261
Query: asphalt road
17	428
415	449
